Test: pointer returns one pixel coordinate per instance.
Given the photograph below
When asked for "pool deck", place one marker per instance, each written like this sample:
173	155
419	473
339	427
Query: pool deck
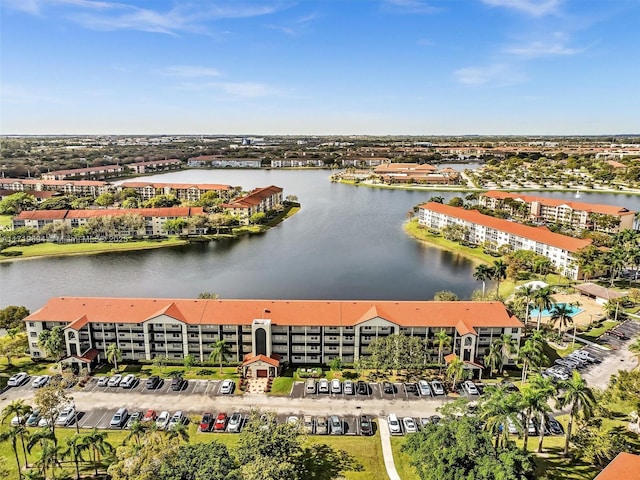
590	309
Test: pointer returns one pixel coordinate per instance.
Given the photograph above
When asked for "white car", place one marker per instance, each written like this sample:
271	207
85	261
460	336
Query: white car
177	418
293	419
336	386
18	379
115	380
66	416
163	420
18	420
470	388
103	381
394	424
409	425
39	382
235	423
425	390
44	422
129	381
227	387
323	386
437	387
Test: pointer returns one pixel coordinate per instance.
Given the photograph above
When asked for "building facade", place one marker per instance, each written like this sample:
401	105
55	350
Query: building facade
80	188
293	331
259	200
579	215
102	172
190	192
482	229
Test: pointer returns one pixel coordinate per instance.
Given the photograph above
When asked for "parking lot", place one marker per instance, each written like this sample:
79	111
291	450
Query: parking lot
205	387
374	391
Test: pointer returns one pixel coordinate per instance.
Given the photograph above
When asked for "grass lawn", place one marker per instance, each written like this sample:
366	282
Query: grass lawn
45	249
402	460
5	221
594	333
24	364
281	386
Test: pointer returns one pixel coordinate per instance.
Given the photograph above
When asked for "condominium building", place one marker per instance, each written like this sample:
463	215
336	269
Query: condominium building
154	219
484	229
580	215
257	201
219	162
154	165
292	331
79	188
190	192
101	172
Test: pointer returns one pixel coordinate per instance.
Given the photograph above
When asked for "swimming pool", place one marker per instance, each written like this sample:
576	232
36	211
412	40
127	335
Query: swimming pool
547	313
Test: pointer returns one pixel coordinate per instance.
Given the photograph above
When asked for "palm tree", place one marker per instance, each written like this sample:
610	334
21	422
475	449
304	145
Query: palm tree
493	356
616	259
179	431
507	346
499	407
19	409
137	430
74	450
579	397
114	355
95	442
443	340
49	457
546	389
482	273
11	435
561	314
532	353
526	292
499	273
455	370
219	352
542	300
534	401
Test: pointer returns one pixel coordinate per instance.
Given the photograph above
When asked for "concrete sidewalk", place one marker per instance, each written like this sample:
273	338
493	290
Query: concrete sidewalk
387	452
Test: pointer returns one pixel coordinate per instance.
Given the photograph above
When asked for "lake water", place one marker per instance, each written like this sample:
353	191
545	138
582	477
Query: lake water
346	243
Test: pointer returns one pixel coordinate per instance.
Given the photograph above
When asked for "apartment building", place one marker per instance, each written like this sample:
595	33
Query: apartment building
479	228
551	210
190	192
154	165
296	162
154	219
292	331
79	188
101	172
416	173
218	162
258	200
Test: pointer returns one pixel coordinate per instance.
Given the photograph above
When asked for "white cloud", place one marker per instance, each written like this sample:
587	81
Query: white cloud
189	71
233	89
496	75
296	27
556	45
409	6
536	8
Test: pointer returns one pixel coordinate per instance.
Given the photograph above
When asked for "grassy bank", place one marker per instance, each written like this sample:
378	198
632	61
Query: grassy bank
47	249
5	221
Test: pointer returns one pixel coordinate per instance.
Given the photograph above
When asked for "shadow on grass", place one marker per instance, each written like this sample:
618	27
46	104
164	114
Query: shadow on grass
553	466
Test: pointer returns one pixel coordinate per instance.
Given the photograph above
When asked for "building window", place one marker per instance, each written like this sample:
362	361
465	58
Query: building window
36	354
34	344
33	334
32	324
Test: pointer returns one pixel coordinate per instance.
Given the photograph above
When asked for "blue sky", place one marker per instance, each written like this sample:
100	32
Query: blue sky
320	67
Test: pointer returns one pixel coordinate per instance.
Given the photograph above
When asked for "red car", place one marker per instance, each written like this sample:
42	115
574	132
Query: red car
149	416
221	422
206	423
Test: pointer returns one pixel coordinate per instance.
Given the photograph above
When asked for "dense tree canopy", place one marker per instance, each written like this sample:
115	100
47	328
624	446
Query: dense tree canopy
12	316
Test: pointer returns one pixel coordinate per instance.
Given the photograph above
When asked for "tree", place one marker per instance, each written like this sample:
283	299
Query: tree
114	355
455	370
436	199
456	202
580	400
498	409
96	444
49	399
175	227
533	401
257	218
105	199
499	272
635	348
13	344
74	450
526	292
561	314
445	296
178	431
160	361
16	203
336	364
144	462
53	344
11	435
19	409
219	352
189	361
492	359
483	273
545	389
461	449
532	353
211	461
208	296
542	300
137	430
162	201
12	316
507	347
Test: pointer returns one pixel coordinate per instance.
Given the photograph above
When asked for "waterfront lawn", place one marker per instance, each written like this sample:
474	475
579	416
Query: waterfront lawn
44	249
5	221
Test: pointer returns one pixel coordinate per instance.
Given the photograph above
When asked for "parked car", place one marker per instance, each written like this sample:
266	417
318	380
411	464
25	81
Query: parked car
425	422
235	423
617	334
220	423
322	426
336	386
394	424
310	385
135	417
307	422
323	386
44	422
348	387
149	416
470	388
18	379
409	425
554	426
586	355
366	427
152	382
41	381
33	418
103	381
129	381
531	429
227	387
362	388
206	423
66	416
115	380
512	427
177	418
508	386
437	387
435	419
119	418
387	387
18	420
163	420
293	419
178	384
425	389
411	388
335	425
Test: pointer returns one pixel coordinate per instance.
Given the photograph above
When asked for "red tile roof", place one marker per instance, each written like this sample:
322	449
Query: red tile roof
254	198
145	212
282	312
554	202
41	215
182	186
626	466
249	359
538	234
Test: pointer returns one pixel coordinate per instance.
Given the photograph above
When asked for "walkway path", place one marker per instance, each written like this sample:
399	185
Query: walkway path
387	452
